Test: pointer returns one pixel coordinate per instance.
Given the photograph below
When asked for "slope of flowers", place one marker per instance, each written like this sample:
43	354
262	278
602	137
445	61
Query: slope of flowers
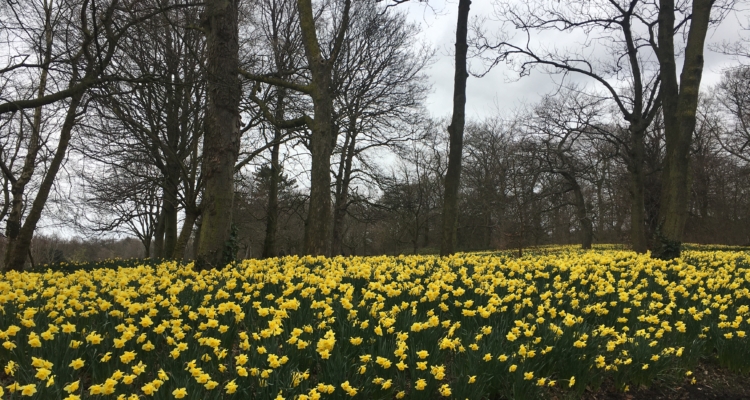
418	327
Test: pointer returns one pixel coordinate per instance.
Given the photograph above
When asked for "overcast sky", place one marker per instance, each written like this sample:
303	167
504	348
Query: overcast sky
500	89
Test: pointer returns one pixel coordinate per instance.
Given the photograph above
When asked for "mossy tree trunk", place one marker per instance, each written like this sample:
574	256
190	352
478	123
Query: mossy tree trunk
679	103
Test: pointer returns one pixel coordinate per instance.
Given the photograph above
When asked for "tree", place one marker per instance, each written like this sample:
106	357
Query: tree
561	127
380	89
733	97
625	75
158	123
490	148
323	134
221	144
89	39
456	133
679	104
281	43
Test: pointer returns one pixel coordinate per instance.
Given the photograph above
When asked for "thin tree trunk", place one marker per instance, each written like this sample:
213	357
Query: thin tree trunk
169	211
146	242
637	192
680	102
342	191
197	235
159	234
187	229
272	215
23	242
456	132
601	211
222	137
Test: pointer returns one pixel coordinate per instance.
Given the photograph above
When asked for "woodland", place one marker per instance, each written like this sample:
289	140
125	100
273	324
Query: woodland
231	129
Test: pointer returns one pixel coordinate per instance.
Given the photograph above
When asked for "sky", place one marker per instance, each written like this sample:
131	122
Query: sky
501	89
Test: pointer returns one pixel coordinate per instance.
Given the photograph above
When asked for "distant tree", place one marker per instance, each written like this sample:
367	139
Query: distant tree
624	71
560	129
380	90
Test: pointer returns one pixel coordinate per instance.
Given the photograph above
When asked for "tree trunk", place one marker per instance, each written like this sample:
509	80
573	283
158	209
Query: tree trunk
601	210
159	234
456	132
22	245
222	137
342	189
197	235
680	102
187	229
18	187
169	211
272	216
637	192
146	242
317	227
587	231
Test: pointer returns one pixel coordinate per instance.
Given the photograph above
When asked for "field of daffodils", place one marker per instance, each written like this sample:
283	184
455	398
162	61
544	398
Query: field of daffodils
471	326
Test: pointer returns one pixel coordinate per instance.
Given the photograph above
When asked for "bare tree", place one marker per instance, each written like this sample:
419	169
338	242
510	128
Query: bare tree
380	89
626	74
562	127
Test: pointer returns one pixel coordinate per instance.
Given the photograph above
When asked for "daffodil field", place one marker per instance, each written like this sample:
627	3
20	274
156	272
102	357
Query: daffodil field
418	327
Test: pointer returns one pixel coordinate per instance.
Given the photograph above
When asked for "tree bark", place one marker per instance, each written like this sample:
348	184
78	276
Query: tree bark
22	245
680	101
169	211
456	132
222	138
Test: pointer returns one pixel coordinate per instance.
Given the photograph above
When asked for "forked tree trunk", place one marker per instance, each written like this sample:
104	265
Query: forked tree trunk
323	137
456	132
20	249
680	101
18	186
222	138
